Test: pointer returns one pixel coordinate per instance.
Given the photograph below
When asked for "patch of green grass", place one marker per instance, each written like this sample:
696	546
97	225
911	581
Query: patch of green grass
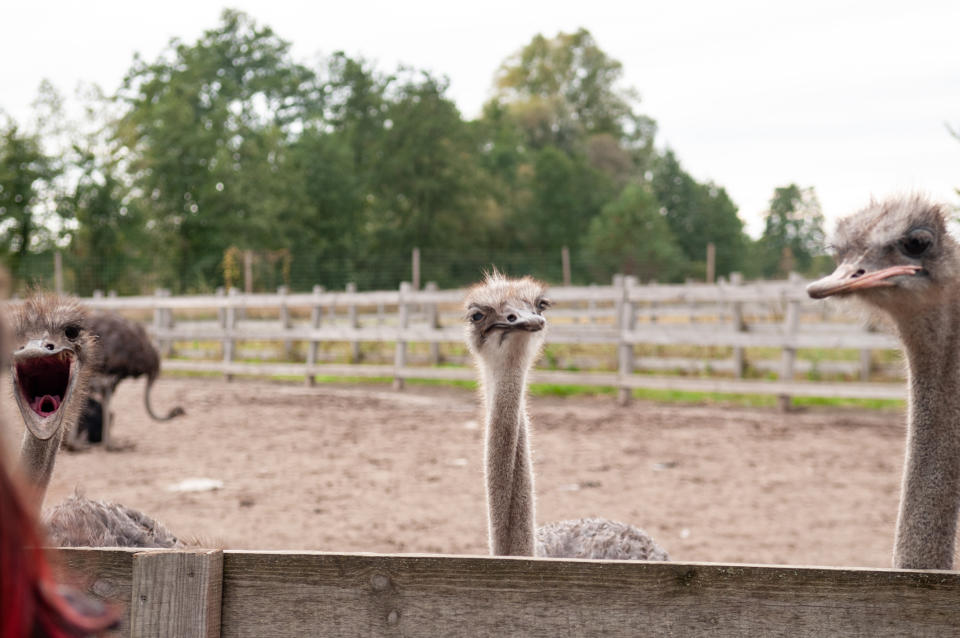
869	404
570	390
560	390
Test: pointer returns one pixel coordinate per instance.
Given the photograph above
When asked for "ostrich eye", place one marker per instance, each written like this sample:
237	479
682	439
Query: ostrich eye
543	304
71	332
916	243
477	316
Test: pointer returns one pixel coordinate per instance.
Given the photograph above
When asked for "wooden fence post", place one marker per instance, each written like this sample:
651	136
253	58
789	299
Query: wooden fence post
285	322
691	304
316	318
433	322
617	284
736	318
415	268
176	594
400	357
790	324
626	322
221	311
866	362
711	262
166	348
229	324
565	265
159	322
354	324
592	306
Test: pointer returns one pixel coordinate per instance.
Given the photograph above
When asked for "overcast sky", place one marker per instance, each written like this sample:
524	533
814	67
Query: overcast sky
852	98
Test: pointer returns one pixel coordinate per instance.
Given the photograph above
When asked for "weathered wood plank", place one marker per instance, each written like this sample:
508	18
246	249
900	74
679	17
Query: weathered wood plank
282	595
106	574
176	594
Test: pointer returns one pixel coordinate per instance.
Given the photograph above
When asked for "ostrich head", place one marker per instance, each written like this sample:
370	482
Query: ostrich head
896	255
505	322
52	361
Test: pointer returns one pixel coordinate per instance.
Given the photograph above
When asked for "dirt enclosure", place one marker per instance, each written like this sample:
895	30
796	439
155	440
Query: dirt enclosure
364	468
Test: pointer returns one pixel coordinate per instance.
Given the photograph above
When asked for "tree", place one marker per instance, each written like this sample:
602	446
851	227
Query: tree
564	89
424	181
26	174
793	234
109	244
631	236
699	214
206	129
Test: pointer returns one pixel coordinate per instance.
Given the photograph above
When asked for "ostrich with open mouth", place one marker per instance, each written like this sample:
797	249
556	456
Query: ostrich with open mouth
54	355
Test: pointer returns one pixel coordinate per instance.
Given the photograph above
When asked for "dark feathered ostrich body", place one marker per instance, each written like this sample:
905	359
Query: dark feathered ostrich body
125	352
505	331
898	257
55	352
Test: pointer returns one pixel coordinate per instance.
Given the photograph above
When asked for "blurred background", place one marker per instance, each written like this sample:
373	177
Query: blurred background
173	147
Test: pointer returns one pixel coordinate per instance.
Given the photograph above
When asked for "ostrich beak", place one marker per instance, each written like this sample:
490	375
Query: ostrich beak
44	376
848	278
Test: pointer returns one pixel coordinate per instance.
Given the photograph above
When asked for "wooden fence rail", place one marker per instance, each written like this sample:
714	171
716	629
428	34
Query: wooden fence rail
240	594
622	316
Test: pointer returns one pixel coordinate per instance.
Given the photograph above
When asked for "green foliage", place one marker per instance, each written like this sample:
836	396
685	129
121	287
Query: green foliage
793	234
107	248
26	174
699	214
207	127
630	236
564	89
228	143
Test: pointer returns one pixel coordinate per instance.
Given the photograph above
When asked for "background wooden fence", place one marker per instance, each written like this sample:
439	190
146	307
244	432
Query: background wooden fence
731	316
209	593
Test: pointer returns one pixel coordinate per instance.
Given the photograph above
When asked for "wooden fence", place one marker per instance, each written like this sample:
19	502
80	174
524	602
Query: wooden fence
734	316
210	593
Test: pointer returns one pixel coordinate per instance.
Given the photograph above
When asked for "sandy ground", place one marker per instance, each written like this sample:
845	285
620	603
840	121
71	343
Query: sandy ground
351	468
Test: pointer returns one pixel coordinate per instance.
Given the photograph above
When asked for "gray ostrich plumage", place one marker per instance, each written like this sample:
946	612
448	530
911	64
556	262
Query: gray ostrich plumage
597	538
83	522
505	330
51	368
898	258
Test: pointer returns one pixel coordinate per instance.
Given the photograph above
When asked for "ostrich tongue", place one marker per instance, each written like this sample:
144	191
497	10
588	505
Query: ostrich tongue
45	405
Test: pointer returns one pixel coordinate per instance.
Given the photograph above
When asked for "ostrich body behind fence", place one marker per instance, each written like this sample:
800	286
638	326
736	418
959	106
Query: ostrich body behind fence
125	352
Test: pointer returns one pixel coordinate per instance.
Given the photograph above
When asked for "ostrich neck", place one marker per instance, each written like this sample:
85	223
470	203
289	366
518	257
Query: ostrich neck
37	458
927	520
509	471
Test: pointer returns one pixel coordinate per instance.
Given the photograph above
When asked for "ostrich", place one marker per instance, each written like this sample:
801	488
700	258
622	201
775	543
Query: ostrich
505	330
51	369
897	256
126	351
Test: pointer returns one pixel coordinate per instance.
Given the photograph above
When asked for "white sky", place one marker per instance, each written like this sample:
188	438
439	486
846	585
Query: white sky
853	98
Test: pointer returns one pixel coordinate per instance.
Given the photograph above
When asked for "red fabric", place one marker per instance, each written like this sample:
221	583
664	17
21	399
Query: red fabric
31	603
